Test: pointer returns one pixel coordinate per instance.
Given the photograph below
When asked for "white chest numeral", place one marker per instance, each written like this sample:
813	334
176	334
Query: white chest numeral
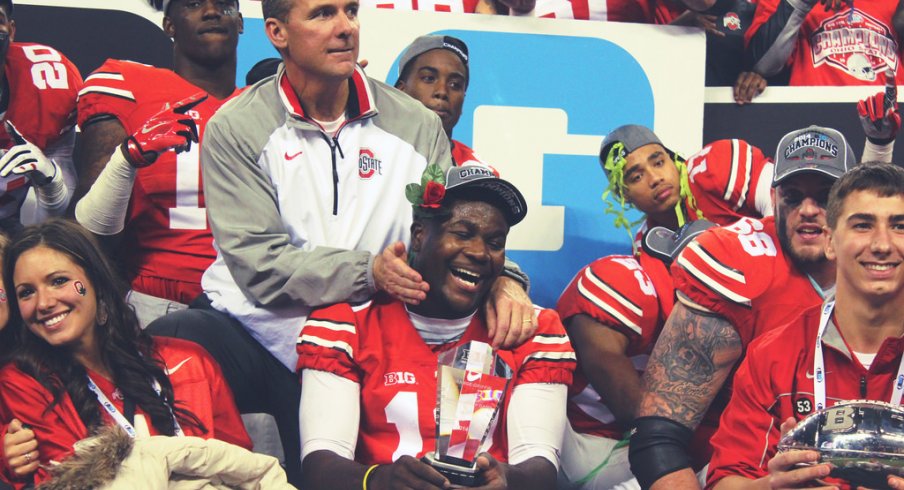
697	164
644	282
402	411
188	215
47	70
754	241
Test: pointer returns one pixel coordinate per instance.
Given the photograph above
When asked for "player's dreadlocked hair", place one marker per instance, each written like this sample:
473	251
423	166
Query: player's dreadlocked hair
614	196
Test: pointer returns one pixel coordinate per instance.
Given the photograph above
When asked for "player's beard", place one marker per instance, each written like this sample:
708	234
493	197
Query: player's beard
804	261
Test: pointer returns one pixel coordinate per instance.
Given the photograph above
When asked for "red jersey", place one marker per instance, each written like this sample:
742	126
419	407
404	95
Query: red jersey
198	386
841	48
741	273
775	382
377	346
43	86
463	154
617	293
730	179
455	6
608	10
167	243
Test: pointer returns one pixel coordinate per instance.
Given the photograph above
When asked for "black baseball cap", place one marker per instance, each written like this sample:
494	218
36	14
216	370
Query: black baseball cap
483	182
430	42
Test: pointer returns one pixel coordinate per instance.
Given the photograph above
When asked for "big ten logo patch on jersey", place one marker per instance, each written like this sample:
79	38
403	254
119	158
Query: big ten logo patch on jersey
399	378
368	164
856	43
551	151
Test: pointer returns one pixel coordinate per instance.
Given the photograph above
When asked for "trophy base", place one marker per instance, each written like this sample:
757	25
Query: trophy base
458	475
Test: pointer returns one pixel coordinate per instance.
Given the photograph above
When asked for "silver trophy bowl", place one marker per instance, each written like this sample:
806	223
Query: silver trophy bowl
862	439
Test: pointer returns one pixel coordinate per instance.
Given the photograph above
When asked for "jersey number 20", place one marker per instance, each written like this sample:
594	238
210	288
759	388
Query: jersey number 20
47	70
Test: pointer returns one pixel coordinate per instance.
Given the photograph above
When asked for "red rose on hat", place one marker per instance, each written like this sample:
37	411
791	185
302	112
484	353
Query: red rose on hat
433	194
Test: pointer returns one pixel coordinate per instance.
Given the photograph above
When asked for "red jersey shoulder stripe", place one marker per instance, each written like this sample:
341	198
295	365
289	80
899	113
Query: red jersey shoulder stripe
318	332
695	252
604	305
95	83
553	348
744	154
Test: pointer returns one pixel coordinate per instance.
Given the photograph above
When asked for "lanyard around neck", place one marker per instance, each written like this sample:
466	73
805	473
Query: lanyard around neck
819	374
118	417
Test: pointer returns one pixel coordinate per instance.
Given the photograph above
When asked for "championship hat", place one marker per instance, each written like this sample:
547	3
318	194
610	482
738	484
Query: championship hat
430	42
480	182
813	149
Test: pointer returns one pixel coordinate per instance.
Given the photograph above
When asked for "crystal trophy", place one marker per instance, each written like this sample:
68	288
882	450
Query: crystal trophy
471	382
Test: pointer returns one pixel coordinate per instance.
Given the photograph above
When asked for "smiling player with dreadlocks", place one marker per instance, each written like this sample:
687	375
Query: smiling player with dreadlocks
615	307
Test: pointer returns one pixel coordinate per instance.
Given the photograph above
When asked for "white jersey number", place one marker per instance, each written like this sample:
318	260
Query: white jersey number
188	215
753	240
47	71
402	411
646	285
697	164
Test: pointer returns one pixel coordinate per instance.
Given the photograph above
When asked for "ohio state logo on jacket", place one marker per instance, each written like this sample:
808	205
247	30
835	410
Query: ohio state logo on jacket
855	43
368	164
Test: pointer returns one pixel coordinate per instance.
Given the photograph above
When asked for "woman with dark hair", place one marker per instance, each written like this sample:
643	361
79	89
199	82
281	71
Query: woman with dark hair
19	444
81	361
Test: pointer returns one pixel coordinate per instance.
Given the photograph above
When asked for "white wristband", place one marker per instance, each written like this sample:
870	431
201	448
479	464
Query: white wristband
877	153
52	195
103	209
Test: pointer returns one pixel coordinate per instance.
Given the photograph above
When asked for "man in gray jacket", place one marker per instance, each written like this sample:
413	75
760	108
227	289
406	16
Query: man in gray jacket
303	179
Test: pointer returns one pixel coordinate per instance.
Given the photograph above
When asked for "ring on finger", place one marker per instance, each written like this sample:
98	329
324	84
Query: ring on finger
28	457
529	320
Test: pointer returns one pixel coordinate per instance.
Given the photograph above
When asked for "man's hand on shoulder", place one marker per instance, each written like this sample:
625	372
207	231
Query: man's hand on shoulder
509	314
393	275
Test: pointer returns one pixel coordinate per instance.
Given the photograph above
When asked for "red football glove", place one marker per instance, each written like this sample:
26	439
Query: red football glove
169	129
879	113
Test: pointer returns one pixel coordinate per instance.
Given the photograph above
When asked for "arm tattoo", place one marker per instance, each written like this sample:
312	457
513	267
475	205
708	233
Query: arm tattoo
691	360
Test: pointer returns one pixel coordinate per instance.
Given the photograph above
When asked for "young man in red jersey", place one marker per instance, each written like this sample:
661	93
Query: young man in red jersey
734	283
38	91
434	70
848	347
360	426
155	206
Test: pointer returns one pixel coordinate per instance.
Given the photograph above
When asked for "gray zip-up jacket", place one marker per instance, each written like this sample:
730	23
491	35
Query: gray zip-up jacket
297	214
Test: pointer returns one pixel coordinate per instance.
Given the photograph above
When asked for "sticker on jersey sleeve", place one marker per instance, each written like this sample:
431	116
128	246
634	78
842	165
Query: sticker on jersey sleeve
803	406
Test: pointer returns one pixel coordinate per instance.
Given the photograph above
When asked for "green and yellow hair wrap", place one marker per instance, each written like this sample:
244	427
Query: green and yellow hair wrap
614	196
